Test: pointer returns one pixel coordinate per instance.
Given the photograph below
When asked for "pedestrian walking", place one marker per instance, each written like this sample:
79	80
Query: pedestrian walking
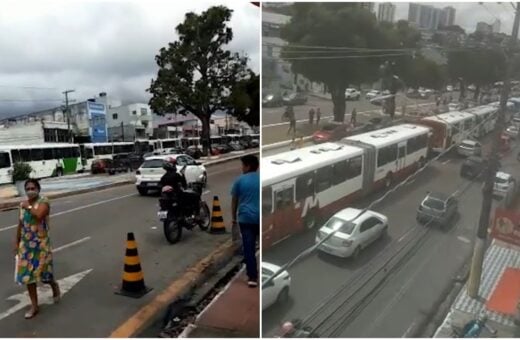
318	116
289	113
311	116
33	247
353	117
245	207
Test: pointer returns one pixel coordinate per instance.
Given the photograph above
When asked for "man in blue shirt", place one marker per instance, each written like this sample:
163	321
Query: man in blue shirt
246	210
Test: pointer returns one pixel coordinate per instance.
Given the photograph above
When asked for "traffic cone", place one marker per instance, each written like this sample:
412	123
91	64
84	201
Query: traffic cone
133	279
217	221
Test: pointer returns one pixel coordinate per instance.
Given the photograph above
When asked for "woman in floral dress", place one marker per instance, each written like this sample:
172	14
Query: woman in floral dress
33	246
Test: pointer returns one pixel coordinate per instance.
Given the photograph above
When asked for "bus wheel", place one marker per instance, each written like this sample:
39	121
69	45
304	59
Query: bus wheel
59	172
311	219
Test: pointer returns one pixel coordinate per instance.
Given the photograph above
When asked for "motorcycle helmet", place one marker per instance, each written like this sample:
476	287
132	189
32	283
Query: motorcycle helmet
170	165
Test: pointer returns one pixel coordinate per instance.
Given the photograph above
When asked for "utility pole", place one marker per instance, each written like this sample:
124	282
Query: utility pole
67	112
485	213
123	132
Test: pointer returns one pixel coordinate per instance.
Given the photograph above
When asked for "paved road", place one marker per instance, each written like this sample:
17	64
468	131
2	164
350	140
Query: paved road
275	130
100	221
393	309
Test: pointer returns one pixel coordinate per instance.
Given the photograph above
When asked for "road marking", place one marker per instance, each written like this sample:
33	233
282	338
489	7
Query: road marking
76	209
463	239
446	161
405	234
206	192
65	246
405	335
44	294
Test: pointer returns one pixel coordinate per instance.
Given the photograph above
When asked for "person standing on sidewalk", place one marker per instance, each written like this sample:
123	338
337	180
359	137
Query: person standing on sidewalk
289	113
311	116
318	116
32	246
353	117
245	207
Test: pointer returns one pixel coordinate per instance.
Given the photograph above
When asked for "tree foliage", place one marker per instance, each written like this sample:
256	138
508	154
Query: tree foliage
332	27
422	72
196	74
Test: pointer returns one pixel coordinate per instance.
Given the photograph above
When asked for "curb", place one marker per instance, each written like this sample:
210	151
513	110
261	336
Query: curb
192	277
282	144
14	204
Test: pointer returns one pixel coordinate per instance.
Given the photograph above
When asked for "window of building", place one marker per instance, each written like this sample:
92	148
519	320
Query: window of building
144	111
134	112
114	116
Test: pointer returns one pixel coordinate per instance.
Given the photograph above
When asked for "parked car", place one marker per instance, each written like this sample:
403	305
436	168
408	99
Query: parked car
332	131
449	88
469	147
119	163
194	151
222	148
353	232
255	143
352	94
516	120
277	291
135	160
236	146
149	174
272	100
99	166
172	151
295	98
512	131
372	94
472	87
505	185
473	167
437	208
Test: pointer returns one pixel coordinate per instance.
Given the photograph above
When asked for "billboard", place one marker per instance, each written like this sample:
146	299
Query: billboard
507	226
98	123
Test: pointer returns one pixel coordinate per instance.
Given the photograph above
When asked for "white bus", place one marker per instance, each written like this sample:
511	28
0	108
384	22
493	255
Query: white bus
300	186
46	160
486	115
91	151
449	128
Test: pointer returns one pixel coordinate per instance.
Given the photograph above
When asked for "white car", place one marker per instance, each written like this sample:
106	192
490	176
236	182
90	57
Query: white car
372	94
276	291
513	131
352	235
449	88
505	185
149	174
352	94
469	147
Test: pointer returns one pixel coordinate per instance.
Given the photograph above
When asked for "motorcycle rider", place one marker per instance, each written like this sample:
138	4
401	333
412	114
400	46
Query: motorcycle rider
172	182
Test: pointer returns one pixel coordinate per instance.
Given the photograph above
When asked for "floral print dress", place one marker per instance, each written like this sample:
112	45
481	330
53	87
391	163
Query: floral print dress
34	250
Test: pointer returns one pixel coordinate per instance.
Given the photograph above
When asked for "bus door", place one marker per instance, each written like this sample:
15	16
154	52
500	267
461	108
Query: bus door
448	137
5	168
401	156
284	219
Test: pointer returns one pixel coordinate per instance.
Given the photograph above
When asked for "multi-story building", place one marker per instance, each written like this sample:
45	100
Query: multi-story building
424	16
448	16
495	27
130	122
386	12
484	27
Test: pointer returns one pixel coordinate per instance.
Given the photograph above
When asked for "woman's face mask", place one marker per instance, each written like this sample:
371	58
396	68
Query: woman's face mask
32	192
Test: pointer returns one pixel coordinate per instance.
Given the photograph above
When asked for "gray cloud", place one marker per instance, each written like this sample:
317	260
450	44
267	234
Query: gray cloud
97	46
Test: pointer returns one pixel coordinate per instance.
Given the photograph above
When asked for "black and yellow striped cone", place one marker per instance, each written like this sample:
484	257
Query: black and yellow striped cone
217	220
133	279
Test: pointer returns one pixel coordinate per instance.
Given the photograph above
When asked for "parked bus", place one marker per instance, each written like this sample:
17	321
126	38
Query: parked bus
448	128
486	116
301	186
91	151
170	143
46	160
143	146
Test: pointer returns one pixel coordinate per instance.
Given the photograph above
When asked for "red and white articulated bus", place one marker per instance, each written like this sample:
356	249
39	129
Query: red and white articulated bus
301	186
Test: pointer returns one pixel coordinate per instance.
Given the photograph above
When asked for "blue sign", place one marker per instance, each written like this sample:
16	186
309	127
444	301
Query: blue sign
98	122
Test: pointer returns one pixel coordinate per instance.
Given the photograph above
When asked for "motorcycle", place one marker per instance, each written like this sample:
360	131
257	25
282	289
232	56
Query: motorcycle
473	328
175	216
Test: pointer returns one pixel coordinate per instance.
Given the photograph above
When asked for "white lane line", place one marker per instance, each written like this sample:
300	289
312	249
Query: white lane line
76	209
446	161
68	245
405	335
464	239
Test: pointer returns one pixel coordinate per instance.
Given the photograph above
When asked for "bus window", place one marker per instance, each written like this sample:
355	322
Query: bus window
355	166
305	186
76	153
267	200
15	154
284	198
386	155
5	162
25	155
339	172
48	154
323	178
37	155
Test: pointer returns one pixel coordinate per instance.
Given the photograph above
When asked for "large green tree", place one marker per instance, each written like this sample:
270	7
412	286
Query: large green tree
339	44
479	67
197	74
245	99
426	73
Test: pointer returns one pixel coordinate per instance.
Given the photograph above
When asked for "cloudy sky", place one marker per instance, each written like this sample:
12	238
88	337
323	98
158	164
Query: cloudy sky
469	13
97	46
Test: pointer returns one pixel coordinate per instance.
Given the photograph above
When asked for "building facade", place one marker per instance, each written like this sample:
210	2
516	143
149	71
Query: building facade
483	27
495	27
130	122
448	16
386	12
424	16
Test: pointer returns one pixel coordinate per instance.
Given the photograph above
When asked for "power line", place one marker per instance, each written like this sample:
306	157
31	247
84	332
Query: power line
30	87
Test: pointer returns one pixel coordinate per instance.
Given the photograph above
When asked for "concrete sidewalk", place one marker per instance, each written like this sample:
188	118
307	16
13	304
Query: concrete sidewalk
234	312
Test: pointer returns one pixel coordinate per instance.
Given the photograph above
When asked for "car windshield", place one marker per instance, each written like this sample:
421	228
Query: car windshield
500	180
346	227
468	145
153	163
434	203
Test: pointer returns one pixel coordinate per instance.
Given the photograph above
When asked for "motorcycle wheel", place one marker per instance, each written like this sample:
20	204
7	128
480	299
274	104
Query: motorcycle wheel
204	216
172	231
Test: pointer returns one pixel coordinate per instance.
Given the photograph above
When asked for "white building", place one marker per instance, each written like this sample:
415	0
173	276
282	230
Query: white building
495	27
128	122
448	16
484	27
386	12
34	132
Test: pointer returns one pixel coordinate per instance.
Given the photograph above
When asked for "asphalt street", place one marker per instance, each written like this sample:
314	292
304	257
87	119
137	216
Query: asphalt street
275	130
89	231
394	308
